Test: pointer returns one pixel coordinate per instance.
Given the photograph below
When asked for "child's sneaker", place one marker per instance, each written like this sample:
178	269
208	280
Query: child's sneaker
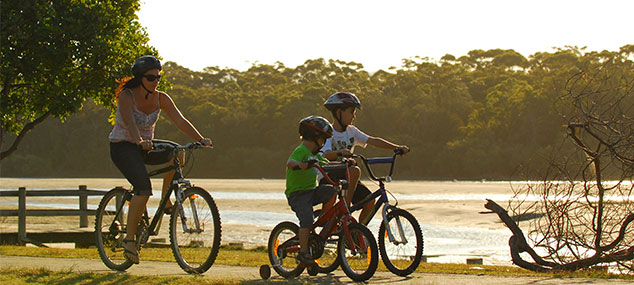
306	258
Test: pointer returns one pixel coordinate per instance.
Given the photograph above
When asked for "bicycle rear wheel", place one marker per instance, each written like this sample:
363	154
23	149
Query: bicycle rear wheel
359	258
110	228
402	256
283	248
195	231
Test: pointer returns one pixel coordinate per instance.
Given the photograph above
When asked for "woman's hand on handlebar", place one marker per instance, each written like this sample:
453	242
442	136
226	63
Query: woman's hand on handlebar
145	144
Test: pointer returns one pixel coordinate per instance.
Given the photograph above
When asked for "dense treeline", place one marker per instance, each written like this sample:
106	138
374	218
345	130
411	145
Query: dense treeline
479	116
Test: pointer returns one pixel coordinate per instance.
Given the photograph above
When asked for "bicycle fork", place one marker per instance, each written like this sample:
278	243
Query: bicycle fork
180	200
388	229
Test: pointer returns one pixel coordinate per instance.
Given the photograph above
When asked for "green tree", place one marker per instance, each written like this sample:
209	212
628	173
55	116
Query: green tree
56	54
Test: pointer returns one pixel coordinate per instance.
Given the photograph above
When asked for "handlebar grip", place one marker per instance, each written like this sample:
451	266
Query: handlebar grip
399	151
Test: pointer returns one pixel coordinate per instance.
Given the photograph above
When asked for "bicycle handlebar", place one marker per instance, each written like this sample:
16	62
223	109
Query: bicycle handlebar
366	161
191	145
380	160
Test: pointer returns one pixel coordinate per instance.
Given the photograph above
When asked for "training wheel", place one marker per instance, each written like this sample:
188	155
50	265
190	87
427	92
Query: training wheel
265	271
312	270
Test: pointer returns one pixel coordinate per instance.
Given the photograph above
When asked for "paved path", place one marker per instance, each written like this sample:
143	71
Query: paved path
251	273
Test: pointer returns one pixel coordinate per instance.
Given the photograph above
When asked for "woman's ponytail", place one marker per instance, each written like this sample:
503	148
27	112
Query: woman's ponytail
126	83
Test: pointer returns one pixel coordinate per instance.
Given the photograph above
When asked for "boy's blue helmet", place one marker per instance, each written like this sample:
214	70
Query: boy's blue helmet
342	100
313	127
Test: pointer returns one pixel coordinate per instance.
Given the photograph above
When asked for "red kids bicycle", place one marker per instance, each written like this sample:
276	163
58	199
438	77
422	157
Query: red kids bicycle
356	250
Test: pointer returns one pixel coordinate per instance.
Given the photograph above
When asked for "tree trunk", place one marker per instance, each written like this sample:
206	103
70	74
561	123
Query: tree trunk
27	128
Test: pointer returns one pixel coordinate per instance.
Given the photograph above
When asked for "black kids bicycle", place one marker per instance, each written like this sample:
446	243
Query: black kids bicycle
400	238
194	228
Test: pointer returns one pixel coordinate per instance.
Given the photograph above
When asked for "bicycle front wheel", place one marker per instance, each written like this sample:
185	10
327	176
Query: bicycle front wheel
195	231
283	248
328	261
358	253
110	228
403	255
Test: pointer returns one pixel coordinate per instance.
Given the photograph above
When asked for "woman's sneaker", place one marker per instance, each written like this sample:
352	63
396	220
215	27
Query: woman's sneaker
306	258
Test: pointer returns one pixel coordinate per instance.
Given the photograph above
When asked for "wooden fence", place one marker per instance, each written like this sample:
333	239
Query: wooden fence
81	238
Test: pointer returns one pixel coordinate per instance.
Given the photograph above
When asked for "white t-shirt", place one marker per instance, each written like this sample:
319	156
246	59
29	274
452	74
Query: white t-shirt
348	139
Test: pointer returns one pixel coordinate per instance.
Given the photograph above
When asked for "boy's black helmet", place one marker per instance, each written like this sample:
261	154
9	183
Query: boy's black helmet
342	100
145	63
313	127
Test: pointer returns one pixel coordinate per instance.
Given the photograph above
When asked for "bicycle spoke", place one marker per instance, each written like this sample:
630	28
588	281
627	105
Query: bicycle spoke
195	231
110	229
401	242
358	253
283	247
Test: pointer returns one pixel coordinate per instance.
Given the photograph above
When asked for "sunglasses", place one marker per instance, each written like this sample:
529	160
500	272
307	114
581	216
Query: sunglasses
152	77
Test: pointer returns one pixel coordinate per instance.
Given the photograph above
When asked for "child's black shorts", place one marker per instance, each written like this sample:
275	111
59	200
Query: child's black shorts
337	173
302	202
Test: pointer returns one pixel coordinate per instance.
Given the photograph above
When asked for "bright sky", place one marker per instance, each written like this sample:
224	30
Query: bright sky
377	34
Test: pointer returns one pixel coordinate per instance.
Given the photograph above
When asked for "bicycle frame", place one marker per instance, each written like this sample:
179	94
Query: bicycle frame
339	211
328	220
177	183
381	193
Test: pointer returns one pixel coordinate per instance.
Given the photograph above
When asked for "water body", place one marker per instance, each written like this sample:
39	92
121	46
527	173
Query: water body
442	243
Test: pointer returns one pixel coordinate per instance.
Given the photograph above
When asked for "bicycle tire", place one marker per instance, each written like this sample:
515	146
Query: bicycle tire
283	247
329	260
401	259
362	265
195	251
110	230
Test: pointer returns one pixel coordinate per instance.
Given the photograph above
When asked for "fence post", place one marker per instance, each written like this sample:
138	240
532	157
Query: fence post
21	215
83	207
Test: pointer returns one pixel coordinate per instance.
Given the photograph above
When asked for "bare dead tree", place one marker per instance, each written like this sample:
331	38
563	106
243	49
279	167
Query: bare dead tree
584	201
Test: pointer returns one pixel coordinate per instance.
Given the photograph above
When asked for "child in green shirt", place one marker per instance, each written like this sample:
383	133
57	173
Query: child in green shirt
302	191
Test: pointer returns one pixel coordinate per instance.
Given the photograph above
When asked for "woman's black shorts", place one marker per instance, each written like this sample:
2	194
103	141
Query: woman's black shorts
131	159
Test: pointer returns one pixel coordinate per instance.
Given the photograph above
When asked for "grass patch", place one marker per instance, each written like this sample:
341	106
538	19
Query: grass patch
25	275
238	256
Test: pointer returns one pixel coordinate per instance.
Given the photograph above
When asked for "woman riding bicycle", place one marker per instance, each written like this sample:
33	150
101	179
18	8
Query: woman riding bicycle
138	107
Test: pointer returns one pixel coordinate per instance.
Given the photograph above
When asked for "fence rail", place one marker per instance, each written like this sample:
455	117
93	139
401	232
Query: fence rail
22	212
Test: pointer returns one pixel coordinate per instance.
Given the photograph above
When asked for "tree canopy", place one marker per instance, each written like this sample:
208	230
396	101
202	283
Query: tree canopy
56	54
466	117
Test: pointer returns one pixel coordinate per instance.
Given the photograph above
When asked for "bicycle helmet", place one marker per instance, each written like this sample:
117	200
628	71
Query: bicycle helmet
314	127
141	66
145	63
342	100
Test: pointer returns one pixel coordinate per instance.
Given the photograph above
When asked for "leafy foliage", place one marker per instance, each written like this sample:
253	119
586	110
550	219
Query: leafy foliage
56	54
477	116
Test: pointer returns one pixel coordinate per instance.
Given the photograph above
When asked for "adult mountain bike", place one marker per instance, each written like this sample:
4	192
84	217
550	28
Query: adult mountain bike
194	228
